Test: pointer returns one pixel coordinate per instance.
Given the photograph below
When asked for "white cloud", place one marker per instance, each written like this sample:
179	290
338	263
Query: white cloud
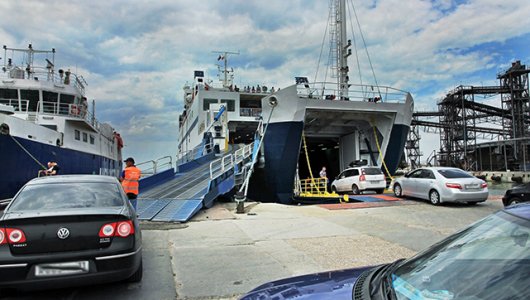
137	55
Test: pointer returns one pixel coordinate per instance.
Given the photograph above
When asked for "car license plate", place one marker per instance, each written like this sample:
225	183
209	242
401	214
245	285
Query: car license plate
64	268
374	181
472	186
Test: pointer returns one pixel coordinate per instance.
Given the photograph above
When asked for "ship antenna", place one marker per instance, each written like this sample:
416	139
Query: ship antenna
223	55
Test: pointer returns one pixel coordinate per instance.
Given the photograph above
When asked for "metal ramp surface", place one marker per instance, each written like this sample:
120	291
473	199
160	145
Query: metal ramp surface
181	197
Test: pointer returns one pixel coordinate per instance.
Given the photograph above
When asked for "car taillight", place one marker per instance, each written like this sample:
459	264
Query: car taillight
484	185
12	236
15	236
121	229
362	178
107	230
453	185
125	229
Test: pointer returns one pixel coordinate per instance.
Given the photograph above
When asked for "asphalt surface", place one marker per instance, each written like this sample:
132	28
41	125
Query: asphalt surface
222	255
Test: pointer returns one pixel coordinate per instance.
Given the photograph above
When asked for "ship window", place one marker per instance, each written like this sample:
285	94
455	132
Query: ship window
85	137
230	104
32	96
92	139
77	134
250	103
207	102
65	101
8	94
10	97
49	101
67	98
49	96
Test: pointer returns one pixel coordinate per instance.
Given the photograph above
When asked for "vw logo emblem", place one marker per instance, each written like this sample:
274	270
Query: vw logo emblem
63	233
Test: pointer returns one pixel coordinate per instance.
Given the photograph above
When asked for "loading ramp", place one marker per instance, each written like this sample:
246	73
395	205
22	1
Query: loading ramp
183	194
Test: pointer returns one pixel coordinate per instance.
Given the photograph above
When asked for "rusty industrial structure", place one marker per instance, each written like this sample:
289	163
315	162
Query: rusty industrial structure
462	120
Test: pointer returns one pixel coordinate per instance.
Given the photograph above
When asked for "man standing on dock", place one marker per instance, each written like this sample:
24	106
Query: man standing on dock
129	180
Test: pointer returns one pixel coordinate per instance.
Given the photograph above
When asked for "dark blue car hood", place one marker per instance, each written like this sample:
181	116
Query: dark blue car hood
326	285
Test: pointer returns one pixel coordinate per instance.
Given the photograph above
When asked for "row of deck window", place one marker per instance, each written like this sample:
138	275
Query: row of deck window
231	104
32	96
86	136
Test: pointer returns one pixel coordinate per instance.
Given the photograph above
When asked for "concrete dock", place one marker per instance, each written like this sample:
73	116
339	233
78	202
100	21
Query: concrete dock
221	254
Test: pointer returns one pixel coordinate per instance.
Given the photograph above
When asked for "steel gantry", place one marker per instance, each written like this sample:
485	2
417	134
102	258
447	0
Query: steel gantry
461	120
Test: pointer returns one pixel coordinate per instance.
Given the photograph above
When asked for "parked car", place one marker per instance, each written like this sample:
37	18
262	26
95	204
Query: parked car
359	179
490	259
61	231
517	194
441	184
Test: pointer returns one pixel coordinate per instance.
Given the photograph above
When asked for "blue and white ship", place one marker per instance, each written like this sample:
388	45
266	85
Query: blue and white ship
45	116
340	121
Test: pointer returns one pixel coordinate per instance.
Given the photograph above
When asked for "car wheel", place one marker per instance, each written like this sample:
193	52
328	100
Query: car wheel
334	190
355	189
398	192
434	197
514	200
380	191
137	276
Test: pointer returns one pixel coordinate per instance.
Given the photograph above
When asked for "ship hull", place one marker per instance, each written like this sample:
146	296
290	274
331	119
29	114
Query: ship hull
282	143
19	167
396	144
360	130
274	182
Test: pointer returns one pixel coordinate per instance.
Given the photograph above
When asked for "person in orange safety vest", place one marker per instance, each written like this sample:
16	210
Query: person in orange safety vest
129	180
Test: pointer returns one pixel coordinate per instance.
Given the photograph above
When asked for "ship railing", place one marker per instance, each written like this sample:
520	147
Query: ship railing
38	73
221	165
313	187
249	112
227	162
69	109
21	106
356	92
193	153
151	167
243	153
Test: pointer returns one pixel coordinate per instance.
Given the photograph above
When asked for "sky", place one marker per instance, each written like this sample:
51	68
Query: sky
136	55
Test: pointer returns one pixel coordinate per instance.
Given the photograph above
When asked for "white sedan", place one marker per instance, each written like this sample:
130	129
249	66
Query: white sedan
441	184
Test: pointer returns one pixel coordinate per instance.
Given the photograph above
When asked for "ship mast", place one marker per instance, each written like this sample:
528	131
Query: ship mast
29	57
342	48
223	55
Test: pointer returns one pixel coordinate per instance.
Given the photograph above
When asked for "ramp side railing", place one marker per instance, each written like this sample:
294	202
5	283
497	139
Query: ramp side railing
227	162
151	167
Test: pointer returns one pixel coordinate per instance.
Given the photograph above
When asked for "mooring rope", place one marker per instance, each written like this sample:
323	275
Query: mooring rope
26	150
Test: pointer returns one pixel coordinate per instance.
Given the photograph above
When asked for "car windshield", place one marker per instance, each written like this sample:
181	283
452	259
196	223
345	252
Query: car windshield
372	171
489	260
454	173
67	195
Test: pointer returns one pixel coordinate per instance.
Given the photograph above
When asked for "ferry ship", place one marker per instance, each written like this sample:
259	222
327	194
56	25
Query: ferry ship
341	122
45	117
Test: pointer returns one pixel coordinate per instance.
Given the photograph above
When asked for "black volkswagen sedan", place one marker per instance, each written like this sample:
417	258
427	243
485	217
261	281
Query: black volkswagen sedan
71	230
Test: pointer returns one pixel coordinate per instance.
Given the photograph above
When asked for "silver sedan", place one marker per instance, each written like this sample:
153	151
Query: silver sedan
441	184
